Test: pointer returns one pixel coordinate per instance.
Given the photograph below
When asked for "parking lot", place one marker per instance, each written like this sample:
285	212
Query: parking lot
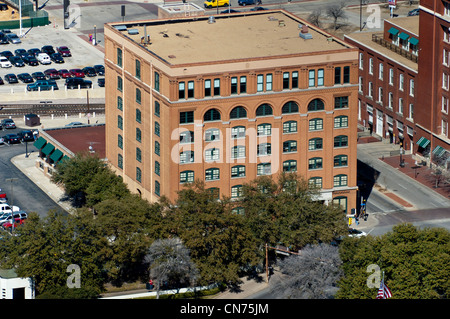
83	54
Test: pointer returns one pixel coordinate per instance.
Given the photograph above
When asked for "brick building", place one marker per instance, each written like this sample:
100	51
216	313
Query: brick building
227	98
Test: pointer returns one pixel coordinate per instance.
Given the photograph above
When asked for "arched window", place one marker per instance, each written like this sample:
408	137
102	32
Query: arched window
341	141
211	115
290	107
238	112
316	105
290	166
315	144
340	160
264	110
315	163
315	182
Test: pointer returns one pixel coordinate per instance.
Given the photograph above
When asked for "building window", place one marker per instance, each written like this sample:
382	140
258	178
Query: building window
157	148
211	115
237	191
157	188
361	61
120	141
289	107
186	137
391	76
186	157
337	75
264	149
400	105
340	160
120	103
286	80
119	84
216	87
380	71
294	81
181	90
238	171
186	176
234	85
341	141
316	124
341	121
212	134
446	8
260	83
264	129
401	78
212	154
340	180
361	85
187	117
243	84
315	163
138	154
371	66
411	111
212	174
370	93
380	95
289	146
138	135
238	132
445	57
341	201
445	81
315	144
268	82
119	57
214	193
341	102
138	116
316	105
263	169
138	69
264	110
315	182
411	87
312	78
444	107
391	100
190	90
238	151
120	161
346	74
238	210
120	122
207	88
138	174
157	129
238	112
138	96
156	81
157	168
290	166
289	127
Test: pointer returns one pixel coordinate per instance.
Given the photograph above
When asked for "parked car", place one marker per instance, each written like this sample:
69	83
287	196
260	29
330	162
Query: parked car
16	61
414	12
75	124
11	78
21	52
38	76
74	83
4	62
42	85
17	222
257	9
101	82
215	3
77	73
8	123
64	73
25	77
1	81
356	233
43	58
3	39
48	49
65	52
3	197
89	71
11	138
34	52
26	136
13	38
6	54
30	60
57	57
52	74
100	69
247	2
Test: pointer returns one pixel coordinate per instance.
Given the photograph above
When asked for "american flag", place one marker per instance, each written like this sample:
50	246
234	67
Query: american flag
383	292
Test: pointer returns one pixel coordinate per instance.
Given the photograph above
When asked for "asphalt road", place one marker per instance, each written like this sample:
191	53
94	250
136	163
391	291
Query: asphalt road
25	194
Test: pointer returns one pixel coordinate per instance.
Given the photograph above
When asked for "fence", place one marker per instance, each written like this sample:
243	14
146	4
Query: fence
30	18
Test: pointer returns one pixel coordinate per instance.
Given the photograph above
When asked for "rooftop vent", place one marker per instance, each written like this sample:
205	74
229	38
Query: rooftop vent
212	19
304	34
120	27
133	31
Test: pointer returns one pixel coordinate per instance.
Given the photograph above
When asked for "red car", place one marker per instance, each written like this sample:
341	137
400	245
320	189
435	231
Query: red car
64	51
52	74
64	73
77	73
17	222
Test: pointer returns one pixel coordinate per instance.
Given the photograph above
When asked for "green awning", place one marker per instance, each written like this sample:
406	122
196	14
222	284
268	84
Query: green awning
423	142
48	148
393	31
40	142
439	150
413	41
56	155
403	36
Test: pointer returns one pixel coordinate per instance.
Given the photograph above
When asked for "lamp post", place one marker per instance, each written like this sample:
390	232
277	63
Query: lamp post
95	34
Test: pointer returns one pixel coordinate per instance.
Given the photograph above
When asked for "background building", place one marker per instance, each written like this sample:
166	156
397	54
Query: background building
225	99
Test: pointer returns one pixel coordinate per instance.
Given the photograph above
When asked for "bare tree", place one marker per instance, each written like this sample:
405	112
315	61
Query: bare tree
336	11
315	17
169	259
311	275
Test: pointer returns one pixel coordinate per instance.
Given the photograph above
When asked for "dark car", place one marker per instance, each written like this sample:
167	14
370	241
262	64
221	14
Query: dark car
48	49
57	57
64	51
52	74
77	73
89	71
11	138
11	78
39	76
8	123
34	52
16	61
64	73
21	52
30	60
257	9
414	12
100	69
3	39
74	83
25	78
26	136
101	82
1	81
7	54
43	85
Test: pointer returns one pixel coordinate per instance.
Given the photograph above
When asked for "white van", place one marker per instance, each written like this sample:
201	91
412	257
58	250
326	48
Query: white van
43	58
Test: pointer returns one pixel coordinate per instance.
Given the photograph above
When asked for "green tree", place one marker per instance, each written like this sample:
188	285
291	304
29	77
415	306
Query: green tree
416	263
105	185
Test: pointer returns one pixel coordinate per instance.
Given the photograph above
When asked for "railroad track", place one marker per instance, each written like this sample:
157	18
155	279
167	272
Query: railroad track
47	109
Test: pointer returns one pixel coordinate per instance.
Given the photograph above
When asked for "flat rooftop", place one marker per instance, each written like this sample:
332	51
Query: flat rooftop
410	24
233	36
